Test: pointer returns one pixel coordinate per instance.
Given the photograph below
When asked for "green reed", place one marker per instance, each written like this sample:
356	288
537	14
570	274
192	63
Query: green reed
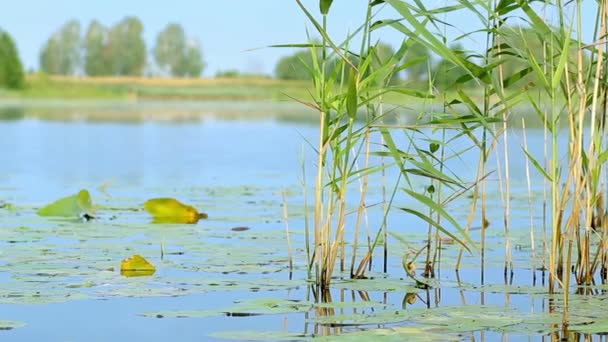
534	57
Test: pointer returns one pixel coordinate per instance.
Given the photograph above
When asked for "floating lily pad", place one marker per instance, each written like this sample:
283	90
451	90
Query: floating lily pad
70	206
259	306
9	325
136	266
251	335
396	334
599	326
372	318
182	313
348	305
377	284
170	210
512	289
268	306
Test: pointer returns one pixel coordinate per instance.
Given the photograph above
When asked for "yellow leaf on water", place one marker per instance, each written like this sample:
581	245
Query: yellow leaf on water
136	266
170	210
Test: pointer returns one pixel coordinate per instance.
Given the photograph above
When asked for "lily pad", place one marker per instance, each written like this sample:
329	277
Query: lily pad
9	325
268	306
182	313
377	284
373	318
170	210
512	289
251	335
349	305
599	326
396	334
259	306
136	266
70	206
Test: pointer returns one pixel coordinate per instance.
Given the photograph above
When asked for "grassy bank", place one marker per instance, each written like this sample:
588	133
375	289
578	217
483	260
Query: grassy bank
135	88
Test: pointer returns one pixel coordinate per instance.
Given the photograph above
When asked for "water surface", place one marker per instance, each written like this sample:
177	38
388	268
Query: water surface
61	277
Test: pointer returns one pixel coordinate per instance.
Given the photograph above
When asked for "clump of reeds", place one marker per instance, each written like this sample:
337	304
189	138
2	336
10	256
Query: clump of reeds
533	57
349	99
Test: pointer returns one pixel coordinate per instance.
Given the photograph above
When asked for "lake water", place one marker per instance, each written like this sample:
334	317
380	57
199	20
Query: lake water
61	279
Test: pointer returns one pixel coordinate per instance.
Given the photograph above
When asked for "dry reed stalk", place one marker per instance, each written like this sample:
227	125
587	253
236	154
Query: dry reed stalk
319	254
507	176
286	219
530	203
309	261
361	208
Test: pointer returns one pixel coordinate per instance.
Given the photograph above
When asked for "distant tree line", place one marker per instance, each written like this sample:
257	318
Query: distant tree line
119	50
298	66
11	69
420	66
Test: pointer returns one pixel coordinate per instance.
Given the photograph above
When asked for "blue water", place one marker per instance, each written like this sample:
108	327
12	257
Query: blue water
44	160
40	158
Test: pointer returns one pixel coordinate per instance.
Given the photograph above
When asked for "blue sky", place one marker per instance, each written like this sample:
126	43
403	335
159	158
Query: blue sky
226	29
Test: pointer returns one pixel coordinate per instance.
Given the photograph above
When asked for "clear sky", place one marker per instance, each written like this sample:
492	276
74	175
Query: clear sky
226	29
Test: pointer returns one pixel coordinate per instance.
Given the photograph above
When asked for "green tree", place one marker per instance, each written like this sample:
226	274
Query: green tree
295	67
11	69
126	48
419	70
192	64
446	74
381	53
176	55
515	43
61	53
298	66
96	57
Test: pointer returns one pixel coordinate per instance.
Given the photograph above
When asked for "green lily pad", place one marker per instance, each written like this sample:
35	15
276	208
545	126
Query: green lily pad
373	318
70	206
9	325
396	334
259	306
513	289
595	327
349	305
268	306
251	335
377	284
182	313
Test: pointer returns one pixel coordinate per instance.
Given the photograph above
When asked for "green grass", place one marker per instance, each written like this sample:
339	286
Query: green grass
115	88
39	86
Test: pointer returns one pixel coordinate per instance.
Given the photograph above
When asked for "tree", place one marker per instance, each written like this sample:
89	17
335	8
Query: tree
299	65
295	67
61	53
11	69
192	64
176	55
514	46
446	74
125	51
419	70
96	57
381	53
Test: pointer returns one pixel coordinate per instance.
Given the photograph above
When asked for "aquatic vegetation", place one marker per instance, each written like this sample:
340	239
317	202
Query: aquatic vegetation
170	210
9	325
136	266
412	238
70	206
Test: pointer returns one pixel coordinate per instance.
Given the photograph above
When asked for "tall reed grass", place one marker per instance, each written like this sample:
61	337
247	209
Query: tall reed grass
532	55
